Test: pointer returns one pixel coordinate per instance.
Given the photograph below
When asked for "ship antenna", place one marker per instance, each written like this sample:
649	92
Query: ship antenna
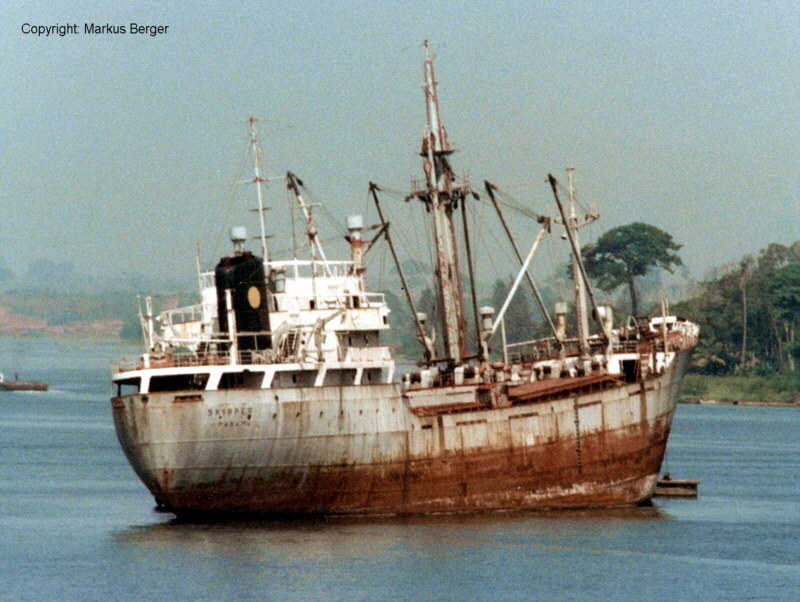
258	181
199	270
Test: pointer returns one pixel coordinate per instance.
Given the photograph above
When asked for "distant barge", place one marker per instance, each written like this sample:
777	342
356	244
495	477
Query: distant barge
21	385
669	487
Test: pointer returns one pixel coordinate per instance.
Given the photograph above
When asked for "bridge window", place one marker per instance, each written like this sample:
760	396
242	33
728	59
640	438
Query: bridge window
129	386
178	382
285	379
339	377
372	376
241	380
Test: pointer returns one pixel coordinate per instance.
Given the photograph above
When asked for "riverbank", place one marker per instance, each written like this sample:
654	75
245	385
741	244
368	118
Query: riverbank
714	402
781	390
18	325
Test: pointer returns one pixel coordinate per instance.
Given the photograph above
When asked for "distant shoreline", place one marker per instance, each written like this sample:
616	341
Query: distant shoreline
724	402
17	325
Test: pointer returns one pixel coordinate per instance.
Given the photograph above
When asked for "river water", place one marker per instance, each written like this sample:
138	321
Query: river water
76	524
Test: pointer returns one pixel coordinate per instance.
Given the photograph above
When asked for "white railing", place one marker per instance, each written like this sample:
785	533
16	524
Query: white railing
304	268
288	301
680	335
283	302
182	315
186	358
189	359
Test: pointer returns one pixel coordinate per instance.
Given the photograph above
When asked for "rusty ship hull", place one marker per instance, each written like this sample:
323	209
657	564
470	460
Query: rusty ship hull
369	450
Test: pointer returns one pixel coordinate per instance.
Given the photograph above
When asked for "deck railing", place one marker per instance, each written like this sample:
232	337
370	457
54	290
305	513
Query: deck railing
185	358
680	336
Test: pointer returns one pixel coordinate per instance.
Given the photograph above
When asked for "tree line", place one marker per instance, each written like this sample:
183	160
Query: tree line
748	313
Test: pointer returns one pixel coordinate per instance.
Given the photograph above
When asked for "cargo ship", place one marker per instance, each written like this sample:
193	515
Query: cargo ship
276	396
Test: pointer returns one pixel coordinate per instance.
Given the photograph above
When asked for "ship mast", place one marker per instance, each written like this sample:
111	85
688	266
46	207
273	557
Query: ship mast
442	198
258	181
581	315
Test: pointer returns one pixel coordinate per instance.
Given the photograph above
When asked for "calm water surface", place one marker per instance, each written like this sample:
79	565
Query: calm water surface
76	524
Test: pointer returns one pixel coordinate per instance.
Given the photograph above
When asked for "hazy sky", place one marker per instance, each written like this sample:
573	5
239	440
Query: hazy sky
117	151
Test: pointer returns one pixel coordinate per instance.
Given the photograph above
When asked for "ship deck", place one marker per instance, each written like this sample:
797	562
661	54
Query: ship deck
544	390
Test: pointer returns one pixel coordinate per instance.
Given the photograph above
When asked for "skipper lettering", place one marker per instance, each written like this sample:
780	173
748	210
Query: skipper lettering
231	416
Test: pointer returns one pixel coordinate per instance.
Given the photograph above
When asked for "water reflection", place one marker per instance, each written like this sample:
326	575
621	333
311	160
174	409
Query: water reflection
353	537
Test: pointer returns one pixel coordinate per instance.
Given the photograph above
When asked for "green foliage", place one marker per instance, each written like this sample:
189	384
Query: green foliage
61	309
627	252
5	273
695	387
783	297
131	331
784	388
519	315
748	313
711	357
783	292
427	304
82	309
401	335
